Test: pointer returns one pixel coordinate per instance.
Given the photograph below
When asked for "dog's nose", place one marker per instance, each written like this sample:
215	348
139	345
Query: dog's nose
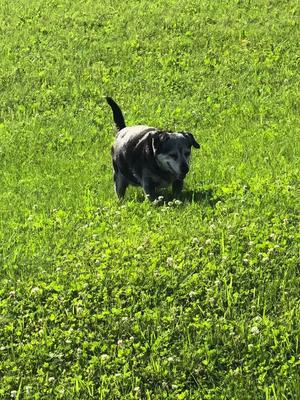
184	169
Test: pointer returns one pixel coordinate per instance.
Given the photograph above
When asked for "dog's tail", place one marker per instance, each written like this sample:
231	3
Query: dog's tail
117	113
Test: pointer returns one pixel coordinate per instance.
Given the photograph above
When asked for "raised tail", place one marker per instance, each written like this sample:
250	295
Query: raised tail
117	113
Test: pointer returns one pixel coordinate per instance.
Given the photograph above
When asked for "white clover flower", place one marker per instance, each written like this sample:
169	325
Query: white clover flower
195	240
208	242
104	357
120	343
13	394
28	389
51	379
170	261
35	290
254	330
159	200
79	309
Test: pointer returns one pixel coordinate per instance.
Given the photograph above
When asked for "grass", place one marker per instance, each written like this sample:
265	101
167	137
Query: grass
194	298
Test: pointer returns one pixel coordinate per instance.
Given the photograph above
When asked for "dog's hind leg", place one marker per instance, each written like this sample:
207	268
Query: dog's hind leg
121	184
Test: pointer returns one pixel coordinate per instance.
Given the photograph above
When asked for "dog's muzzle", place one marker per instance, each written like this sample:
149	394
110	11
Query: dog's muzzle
184	169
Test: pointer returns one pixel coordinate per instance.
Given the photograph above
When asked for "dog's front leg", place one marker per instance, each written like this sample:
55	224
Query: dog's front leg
177	187
149	188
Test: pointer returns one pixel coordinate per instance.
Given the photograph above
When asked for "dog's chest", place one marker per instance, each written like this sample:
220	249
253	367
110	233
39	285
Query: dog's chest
157	179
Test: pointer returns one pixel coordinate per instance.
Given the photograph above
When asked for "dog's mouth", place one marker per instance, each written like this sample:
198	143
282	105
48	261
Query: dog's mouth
180	175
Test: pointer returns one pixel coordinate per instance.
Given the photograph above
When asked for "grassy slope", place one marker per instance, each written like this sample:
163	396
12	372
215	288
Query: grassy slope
193	300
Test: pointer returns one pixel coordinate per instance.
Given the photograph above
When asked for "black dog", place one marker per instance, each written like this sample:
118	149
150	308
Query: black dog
148	157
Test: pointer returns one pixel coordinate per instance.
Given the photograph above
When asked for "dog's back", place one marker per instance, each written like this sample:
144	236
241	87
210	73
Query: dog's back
130	134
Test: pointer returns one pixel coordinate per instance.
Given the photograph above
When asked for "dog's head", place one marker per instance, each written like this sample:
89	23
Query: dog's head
172	151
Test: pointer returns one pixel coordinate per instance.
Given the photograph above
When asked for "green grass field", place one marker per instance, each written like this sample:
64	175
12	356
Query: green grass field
194	298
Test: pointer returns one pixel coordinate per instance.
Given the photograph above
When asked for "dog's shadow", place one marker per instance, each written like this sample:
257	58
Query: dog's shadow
198	196
164	197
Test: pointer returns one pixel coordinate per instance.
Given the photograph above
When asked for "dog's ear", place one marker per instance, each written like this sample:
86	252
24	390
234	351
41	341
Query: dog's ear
192	140
158	139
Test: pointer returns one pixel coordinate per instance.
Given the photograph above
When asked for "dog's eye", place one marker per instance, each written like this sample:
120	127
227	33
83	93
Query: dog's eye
174	156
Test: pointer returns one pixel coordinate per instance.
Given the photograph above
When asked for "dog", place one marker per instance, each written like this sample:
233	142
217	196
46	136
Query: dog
149	157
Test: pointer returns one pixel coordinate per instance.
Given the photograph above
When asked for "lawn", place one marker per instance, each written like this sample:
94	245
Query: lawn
190	298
